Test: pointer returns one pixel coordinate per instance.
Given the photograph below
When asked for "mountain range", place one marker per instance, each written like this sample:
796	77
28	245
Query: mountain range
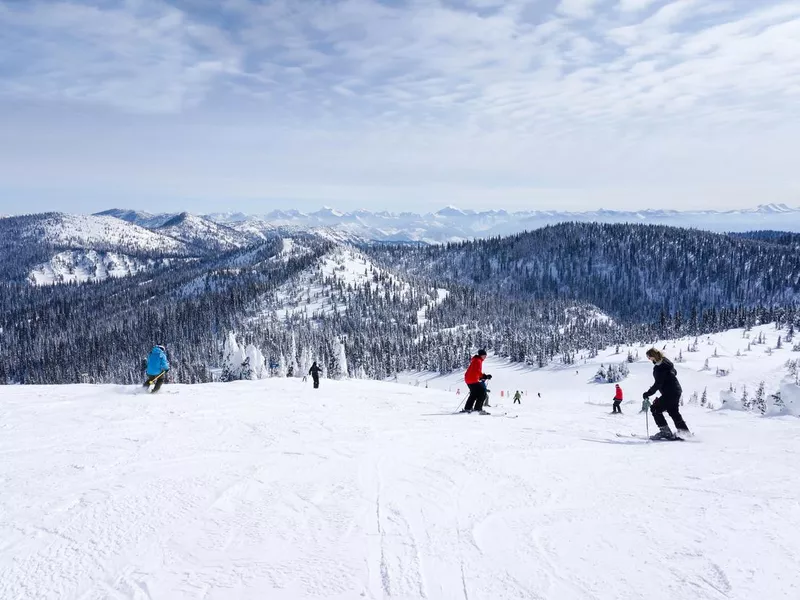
452	224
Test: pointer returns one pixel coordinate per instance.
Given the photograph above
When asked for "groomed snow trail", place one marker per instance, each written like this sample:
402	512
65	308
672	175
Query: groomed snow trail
272	490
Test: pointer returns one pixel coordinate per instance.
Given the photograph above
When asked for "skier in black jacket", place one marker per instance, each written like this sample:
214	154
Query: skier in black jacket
666	382
314	371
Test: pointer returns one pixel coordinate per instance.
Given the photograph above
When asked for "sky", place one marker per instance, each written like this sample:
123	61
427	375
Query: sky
252	105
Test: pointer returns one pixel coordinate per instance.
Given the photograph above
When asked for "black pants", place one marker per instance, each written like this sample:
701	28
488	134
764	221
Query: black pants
617	408
516	401
669	405
316	381
477	396
157	379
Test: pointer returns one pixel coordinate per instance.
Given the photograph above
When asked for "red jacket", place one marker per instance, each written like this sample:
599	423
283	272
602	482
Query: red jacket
618	395
475	370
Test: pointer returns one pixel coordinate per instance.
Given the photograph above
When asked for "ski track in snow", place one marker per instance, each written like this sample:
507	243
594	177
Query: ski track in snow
372	490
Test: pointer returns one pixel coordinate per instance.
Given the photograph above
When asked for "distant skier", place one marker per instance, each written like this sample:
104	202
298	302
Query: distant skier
517	398
666	382
157	368
474	378
617	400
314	371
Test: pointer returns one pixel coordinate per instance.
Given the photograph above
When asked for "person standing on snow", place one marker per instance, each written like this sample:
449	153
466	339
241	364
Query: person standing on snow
314	371
486	390
157	367
474	378
666	382
617	400
517	398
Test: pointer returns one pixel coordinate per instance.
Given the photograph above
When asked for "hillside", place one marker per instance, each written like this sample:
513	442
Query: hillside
205	235
631	272
56	247
269	489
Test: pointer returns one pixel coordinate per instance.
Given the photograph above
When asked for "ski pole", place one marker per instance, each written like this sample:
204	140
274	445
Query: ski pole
647	423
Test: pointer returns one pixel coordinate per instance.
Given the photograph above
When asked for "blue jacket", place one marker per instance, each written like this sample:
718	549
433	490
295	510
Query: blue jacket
157	362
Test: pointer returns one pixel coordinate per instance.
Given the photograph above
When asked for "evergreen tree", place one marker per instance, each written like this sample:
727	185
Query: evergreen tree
760	401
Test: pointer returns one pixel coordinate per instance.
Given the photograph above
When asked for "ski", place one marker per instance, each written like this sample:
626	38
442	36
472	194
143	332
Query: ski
639	436
502	414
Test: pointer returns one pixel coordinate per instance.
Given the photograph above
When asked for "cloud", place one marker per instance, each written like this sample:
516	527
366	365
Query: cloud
579	9
635	5
440	90
139	55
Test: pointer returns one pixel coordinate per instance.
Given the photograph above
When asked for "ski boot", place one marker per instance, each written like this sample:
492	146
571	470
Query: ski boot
664	434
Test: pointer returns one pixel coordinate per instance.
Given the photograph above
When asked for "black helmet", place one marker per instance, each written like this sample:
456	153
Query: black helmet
481	352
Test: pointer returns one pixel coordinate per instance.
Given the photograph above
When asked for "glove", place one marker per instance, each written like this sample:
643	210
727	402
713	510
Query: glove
487	376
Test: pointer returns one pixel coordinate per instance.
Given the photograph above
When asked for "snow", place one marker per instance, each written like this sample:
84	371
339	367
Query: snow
197	230
363	489
78	266
83	231
311	292
452	224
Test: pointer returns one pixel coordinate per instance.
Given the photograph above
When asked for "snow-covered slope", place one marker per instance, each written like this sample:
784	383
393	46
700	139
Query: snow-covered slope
137	217
271	489
204	233
95	232
76	266
325	287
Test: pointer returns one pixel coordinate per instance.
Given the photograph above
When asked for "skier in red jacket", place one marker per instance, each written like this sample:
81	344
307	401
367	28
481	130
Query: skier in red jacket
617	400
474	378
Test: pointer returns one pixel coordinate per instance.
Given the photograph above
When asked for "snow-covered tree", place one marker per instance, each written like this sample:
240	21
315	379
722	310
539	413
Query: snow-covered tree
745	398
282	367
293	365
232	359
704	397
342	361
706	367
256	362
246	369
760	400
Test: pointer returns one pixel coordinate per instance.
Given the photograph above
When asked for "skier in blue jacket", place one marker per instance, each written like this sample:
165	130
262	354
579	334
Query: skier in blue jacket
157	367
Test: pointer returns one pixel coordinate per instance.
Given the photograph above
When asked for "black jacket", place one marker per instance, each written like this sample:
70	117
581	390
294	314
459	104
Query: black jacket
314	371
666	380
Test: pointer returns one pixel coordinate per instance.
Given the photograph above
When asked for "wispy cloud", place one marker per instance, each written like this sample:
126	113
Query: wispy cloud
508	80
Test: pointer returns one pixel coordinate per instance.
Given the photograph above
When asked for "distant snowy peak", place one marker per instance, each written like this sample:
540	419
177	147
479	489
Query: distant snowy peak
452	224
